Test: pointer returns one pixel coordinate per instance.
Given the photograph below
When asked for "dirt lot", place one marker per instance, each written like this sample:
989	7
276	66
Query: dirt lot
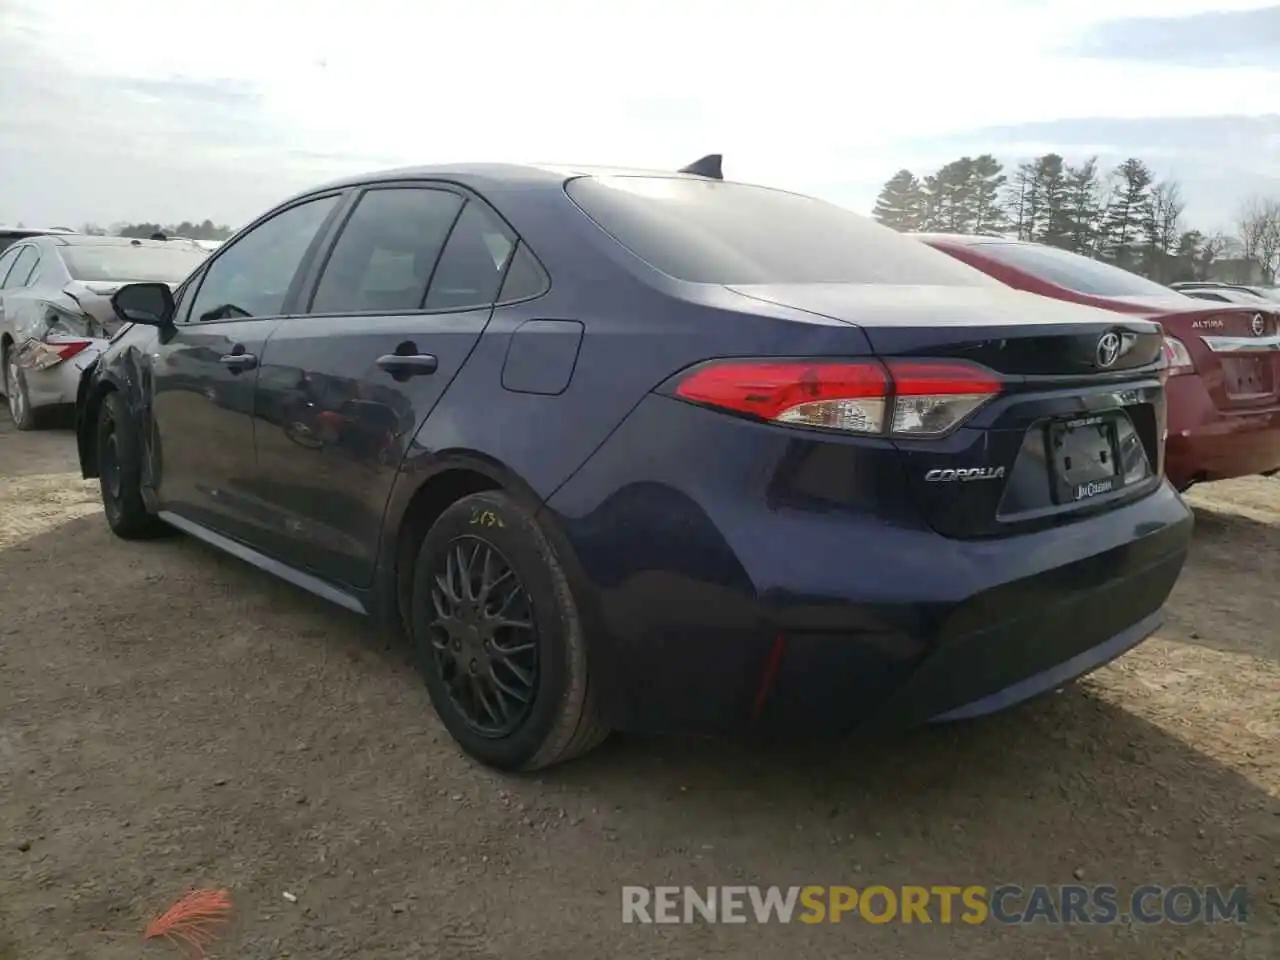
170	717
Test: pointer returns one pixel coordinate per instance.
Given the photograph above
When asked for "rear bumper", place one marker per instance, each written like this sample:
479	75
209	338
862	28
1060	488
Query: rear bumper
1206	443
55	387
723	597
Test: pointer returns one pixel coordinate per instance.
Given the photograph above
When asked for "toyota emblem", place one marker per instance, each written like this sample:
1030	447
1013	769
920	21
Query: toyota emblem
1108	349
1258	325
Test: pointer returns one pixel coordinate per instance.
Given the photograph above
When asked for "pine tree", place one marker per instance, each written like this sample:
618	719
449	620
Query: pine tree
1082	207
1051	191
986	182
1021	201
1127	213
901	203
948	205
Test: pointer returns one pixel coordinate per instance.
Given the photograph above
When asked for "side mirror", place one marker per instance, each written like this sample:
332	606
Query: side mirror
150	304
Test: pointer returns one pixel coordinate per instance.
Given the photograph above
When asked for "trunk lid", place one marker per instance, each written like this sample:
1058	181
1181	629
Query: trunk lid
1078	427
1236	352
93	298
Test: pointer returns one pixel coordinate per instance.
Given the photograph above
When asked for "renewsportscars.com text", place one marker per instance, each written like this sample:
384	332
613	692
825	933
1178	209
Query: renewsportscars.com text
972	904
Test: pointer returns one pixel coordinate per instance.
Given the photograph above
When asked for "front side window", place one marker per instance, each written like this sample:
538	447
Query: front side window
252	277
118	261
387	251
711	231
28	257
1073	271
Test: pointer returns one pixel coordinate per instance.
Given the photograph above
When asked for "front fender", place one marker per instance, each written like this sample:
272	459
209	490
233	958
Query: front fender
87	419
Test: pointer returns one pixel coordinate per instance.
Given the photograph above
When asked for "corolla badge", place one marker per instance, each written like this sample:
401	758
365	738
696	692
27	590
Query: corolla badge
1258	325
1108	350
964	474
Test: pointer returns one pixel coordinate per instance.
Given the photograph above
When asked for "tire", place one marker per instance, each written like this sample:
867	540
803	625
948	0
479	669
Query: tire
560	719
120	473
15	389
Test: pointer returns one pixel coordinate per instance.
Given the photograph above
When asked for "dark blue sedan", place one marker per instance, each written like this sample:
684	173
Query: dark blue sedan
650	451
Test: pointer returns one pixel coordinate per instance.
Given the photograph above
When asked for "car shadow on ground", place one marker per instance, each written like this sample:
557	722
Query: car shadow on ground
1213	605
43	451
153	671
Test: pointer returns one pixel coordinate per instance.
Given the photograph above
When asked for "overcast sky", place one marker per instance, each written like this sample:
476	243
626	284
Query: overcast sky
138	110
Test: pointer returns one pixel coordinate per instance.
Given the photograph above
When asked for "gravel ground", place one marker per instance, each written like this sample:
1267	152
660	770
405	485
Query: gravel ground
169	717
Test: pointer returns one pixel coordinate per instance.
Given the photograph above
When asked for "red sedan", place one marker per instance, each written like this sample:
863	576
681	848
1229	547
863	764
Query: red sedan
1224	360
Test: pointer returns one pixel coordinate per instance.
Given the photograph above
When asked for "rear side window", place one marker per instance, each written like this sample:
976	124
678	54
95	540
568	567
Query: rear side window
473	262
709	231
6	261
525	277
1073	271
117	261
387	250
22	267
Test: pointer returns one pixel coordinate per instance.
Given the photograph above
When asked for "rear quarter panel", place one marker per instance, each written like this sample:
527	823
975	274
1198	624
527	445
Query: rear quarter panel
639	327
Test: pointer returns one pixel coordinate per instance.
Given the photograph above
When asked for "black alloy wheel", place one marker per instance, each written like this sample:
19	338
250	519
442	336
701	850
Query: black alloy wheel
498	639
483	637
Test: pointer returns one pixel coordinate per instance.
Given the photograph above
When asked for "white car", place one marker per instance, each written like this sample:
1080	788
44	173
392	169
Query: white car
55	309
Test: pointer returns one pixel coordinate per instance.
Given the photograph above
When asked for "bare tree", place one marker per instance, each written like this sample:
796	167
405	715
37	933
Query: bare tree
1164	216
1258	229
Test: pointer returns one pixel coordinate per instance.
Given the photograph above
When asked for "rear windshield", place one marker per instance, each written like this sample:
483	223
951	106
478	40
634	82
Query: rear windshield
167	264
731	233
1073	271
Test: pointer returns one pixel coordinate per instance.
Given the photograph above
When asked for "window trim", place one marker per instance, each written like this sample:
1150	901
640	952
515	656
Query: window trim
291	297
312	283
25	283
322	264
16	248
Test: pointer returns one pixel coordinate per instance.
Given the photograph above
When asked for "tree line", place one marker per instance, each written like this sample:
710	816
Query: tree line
205	230
1126	216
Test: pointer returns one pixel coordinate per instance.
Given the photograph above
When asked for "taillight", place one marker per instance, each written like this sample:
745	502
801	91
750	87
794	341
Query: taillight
902	398
43	354
1177	356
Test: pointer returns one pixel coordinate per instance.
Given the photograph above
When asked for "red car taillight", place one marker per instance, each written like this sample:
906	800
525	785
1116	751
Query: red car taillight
1177	356
903	398
43	354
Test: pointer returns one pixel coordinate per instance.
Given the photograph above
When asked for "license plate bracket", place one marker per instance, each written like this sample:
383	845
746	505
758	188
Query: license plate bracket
1083	455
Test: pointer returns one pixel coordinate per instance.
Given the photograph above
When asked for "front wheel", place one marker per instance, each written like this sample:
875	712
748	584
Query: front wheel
498	638
120	473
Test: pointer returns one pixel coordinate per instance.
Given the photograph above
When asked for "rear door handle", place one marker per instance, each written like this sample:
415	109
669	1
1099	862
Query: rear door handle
239	361
409	365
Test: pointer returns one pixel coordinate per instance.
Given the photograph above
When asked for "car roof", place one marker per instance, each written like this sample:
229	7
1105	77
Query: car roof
22	232
969	239
481	176
91	240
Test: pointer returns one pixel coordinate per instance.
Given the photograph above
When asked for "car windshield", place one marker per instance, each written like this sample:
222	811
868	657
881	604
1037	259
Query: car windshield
167	264
709	231
1074	271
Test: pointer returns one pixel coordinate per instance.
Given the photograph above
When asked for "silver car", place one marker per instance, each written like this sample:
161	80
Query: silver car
55	309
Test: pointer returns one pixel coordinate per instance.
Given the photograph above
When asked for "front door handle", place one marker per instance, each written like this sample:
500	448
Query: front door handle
237	362
408	365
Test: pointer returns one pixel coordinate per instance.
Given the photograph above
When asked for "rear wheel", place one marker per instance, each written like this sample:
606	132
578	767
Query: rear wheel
120	473
15	389
498	638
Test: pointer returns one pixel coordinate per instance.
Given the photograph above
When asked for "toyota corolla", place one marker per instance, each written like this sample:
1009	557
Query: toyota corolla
650	451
